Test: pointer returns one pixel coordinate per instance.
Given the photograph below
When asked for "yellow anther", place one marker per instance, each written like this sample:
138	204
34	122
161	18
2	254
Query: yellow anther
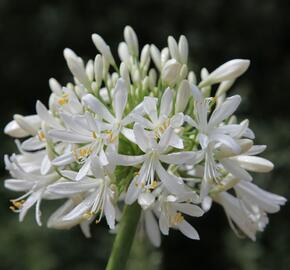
97	221
154	185
136	184
16	205
82	153
87	215
177	219
94	134
111	137
143	184
41	136
63	100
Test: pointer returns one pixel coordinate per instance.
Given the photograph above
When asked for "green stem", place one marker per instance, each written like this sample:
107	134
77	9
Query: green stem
124	238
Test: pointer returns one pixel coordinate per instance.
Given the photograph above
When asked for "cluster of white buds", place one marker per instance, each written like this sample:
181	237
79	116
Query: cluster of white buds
142	132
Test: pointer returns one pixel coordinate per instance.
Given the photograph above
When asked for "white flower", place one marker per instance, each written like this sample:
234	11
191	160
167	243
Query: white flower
155	153
159	123
114	123
116	135
172	209
34	185
211	133
85	133
97	195
249	210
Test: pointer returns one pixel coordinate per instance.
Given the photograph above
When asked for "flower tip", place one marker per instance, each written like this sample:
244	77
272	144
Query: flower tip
68	53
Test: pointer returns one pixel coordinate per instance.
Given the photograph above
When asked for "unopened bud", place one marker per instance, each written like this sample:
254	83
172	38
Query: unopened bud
132	40
228	71
103	48
182	97
171	72
76	67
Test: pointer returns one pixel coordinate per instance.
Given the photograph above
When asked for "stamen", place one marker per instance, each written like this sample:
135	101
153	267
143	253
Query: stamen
41	135
177	219
154	184
17	205
88	215
63	100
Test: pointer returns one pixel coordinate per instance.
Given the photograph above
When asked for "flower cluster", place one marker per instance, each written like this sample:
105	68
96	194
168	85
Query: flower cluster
143	132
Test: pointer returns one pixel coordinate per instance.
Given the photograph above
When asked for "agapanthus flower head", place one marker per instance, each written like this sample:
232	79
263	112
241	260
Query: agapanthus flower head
140	130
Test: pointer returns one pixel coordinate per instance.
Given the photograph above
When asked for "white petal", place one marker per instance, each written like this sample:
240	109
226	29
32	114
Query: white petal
227	108
124	160
228	141
84	169
98	107
110	213
129	134
163	224
152	229
45	116
177	120
178	157
64	159
150	107
120	98
141	137
71	188
133	191
189	209
171	182
32	144
70	137
188	230
45	165
80	209
255	164
18	184
234	168
166	102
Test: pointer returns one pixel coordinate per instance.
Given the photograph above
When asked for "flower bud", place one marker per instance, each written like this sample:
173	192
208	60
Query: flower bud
146	199
13	129
123	53
228	71
98	70
173	48
164	56
29	124
191	77
55	86
76	67
183	72
103	48
125	74
224	87
182	97
145	56
90	70
253	163
156	56
183	49
171	71
132	40
152	78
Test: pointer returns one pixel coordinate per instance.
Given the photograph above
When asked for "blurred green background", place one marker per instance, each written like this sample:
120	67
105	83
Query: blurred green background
32	37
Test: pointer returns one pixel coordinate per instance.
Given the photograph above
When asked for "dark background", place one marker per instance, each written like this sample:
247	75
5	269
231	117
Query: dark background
32	37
